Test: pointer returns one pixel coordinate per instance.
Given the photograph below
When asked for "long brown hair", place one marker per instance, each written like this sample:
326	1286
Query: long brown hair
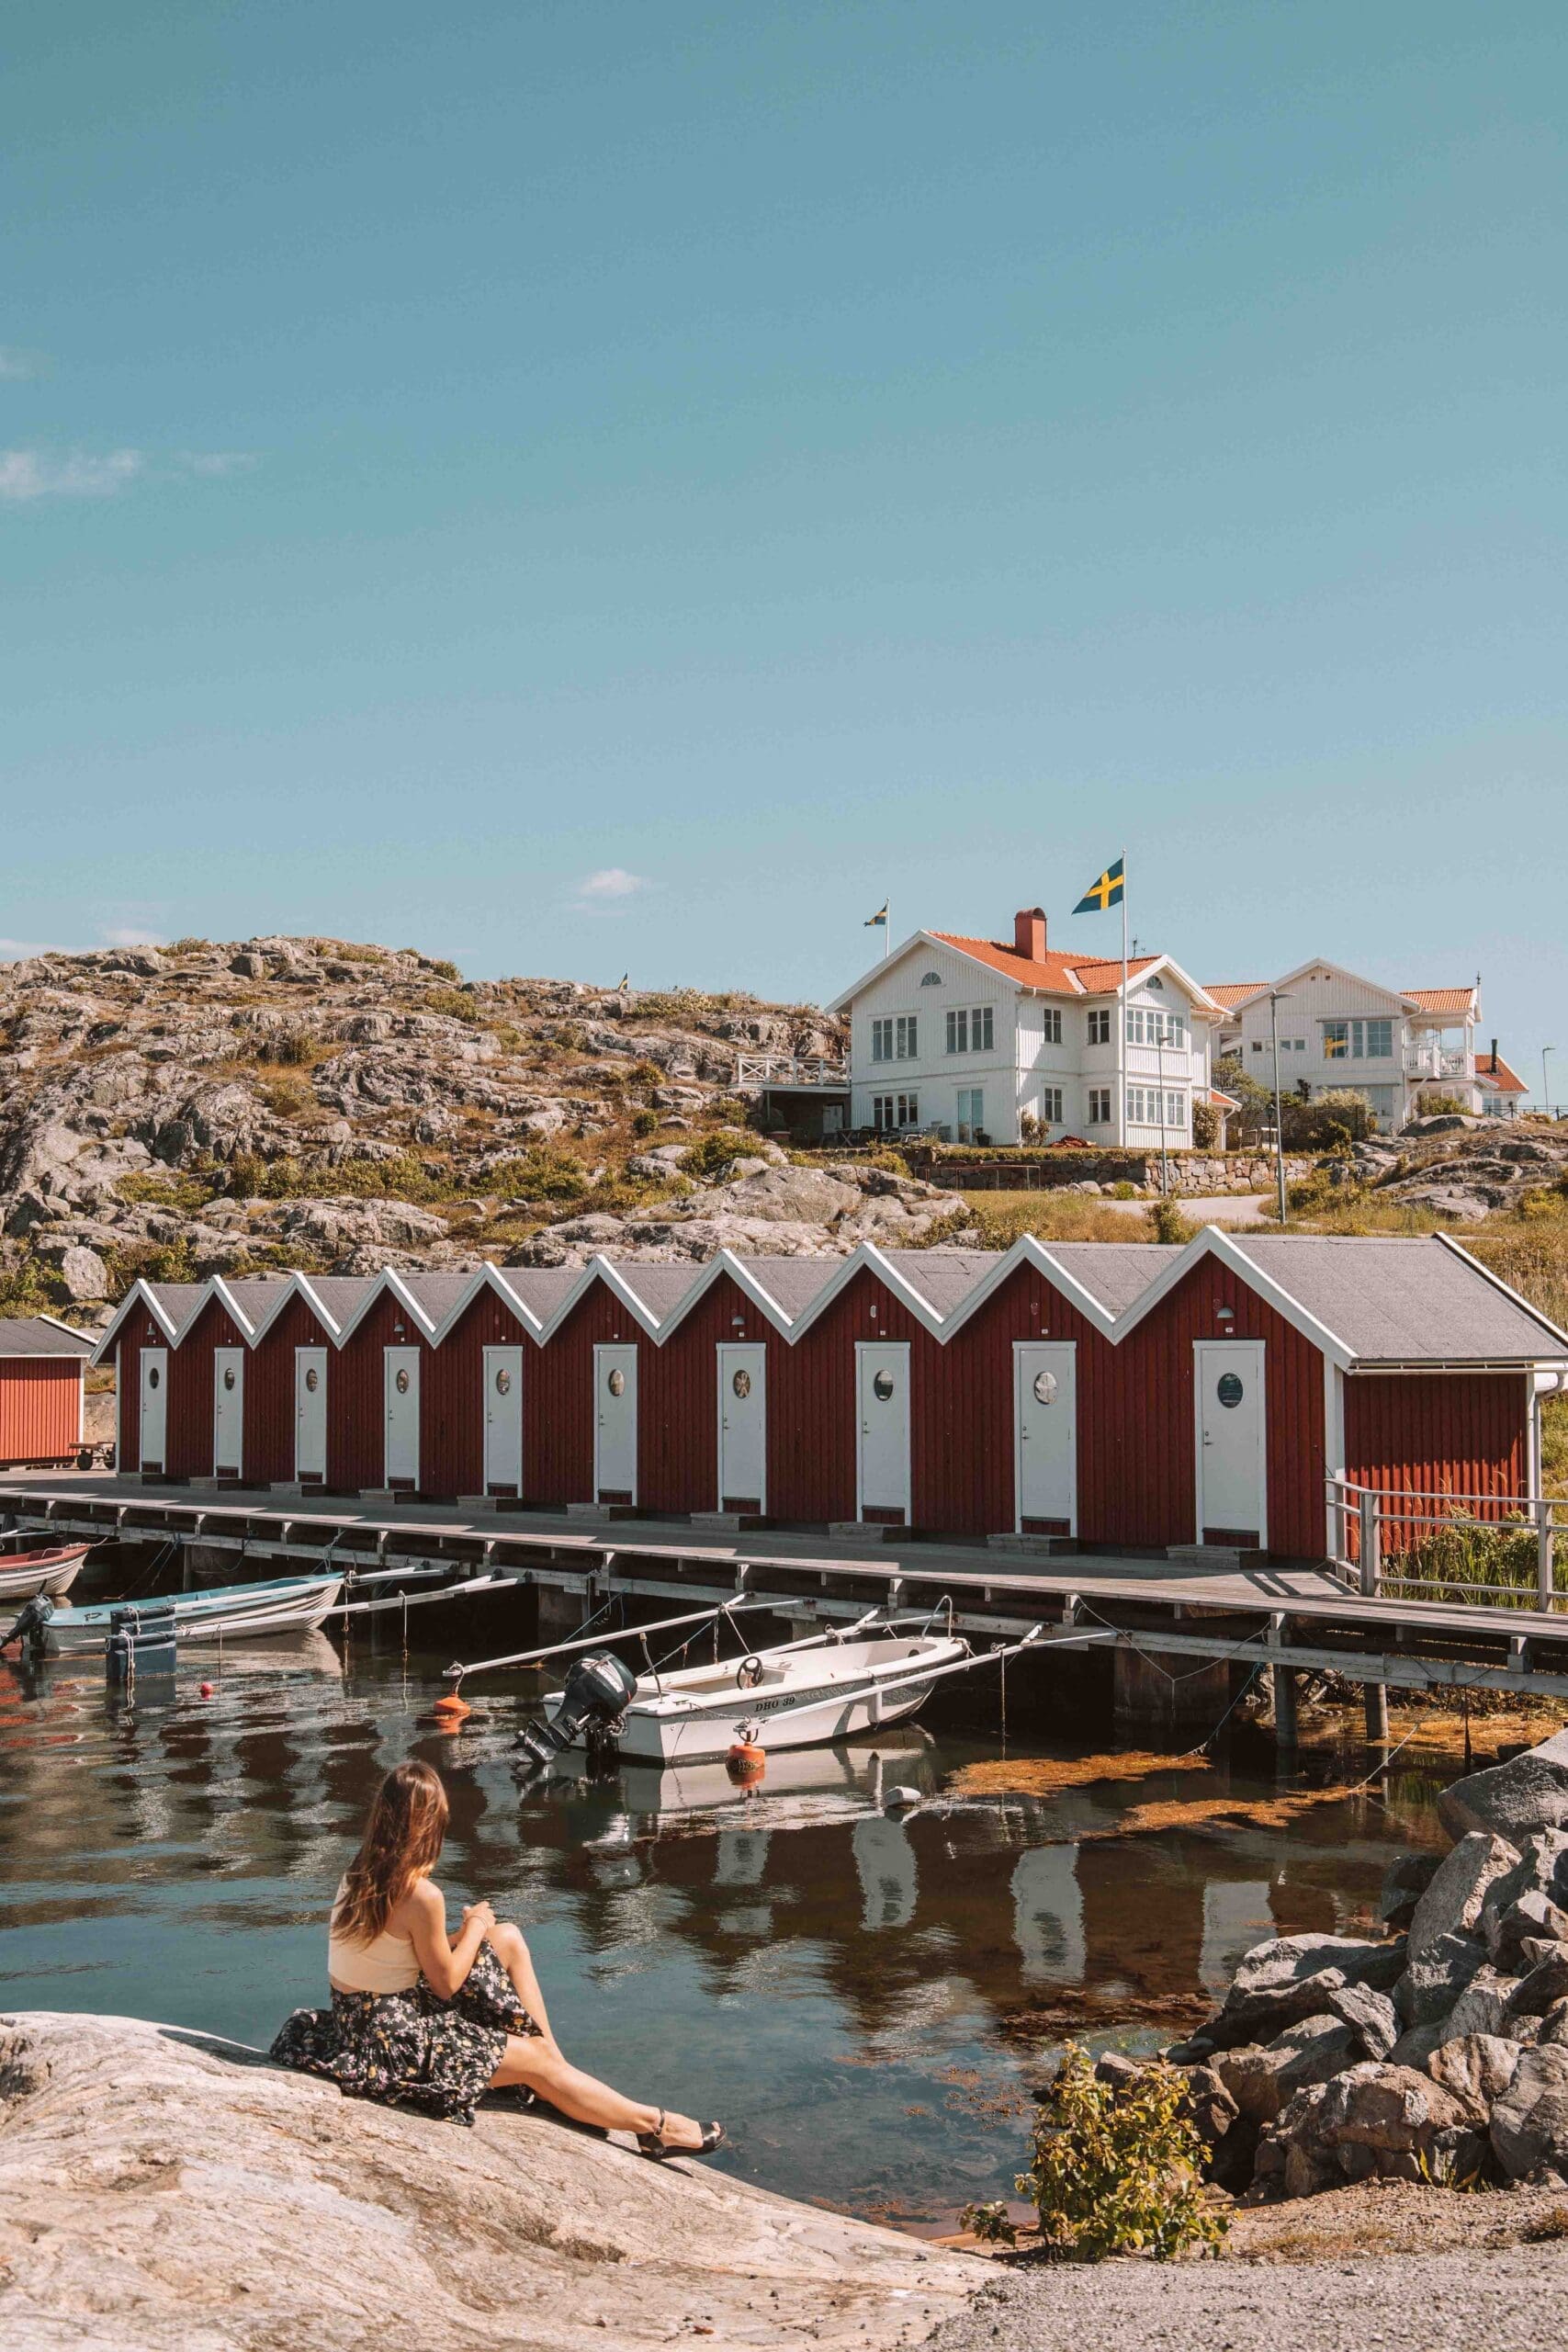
402	1837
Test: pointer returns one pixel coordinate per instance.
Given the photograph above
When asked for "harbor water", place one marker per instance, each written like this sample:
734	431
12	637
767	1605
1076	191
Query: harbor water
865	1997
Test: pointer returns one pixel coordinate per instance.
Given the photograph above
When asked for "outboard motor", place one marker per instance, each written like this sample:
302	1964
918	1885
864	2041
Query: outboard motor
32	1624
593	1702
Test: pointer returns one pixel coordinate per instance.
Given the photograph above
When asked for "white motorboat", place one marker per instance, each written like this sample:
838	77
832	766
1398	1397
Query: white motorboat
828	1784
53	1570
224	1613
802	1694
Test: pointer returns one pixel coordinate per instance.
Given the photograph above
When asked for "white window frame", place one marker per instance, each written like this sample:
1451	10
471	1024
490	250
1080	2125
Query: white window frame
972	1029
1099	1025
1052	1108
1100	1100
968	1098
906	1037
1051	1025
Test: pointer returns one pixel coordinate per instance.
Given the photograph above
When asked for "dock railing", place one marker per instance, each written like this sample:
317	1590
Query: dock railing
1492	1551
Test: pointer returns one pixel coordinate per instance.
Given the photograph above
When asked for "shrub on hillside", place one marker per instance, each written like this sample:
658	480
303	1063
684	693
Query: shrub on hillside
1327	1123
712	1152
1166	1222
1435	1105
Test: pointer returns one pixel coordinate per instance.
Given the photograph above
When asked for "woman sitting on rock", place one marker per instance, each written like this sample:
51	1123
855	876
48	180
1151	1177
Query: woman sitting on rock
417	2018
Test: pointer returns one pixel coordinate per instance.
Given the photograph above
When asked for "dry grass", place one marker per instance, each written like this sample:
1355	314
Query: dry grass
1002	1217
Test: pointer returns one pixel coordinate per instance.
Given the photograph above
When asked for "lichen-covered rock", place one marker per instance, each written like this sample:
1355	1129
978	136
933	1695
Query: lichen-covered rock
158	2190
1294	1976
1530	2121
1476	2069
1513	1800
1452	1902
1434	1981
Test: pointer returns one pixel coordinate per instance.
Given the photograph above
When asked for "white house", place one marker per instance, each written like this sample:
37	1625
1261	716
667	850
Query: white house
1338	1030
966	1037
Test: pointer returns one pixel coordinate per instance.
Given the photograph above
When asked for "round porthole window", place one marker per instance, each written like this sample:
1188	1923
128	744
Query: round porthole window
153	1376
503	1381
1230	1390
313	1380
228	1375
1045	1387
401	1384
742	1384
882	1385
617	1383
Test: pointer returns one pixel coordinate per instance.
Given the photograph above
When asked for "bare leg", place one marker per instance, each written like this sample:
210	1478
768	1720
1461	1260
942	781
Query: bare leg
507	1943
539	2066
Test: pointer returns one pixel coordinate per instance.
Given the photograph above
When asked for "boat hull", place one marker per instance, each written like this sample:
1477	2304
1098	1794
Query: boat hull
296	1605
55	1571
827	1695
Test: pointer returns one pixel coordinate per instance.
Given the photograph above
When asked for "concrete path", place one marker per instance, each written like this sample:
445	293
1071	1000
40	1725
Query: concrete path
1208	1208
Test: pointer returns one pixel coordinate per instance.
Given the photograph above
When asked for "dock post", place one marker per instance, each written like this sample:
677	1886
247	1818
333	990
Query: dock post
1372	1549
1285	1725
1544	1578
1376	1696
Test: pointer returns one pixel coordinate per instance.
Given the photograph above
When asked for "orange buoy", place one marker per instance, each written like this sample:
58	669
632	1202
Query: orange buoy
453	1708
745	1761
206	1690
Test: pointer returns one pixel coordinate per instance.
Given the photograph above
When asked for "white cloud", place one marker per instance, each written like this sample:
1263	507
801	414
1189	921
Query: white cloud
31	473
612	882
132	939
16	366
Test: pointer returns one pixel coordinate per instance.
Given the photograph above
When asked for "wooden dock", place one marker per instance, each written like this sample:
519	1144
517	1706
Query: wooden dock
1297	1619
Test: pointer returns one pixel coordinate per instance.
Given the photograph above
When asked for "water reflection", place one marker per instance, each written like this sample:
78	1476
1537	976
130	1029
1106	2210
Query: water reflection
818	1970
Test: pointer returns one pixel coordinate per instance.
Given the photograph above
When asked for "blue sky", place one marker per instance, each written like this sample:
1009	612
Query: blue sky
779	456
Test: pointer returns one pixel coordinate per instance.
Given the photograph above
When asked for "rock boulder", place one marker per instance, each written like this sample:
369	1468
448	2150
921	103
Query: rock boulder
173	2192
1513	1800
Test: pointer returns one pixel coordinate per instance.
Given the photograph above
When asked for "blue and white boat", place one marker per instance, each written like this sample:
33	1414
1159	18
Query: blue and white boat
222	1613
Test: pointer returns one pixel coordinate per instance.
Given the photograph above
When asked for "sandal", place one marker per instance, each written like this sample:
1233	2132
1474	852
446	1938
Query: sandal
652	2145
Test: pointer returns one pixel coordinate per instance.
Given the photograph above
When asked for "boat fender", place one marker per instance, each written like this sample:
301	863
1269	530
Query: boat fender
902	1799
452	1708
746	1762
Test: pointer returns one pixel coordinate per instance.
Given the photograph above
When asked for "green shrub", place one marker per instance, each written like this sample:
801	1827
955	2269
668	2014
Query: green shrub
186	1193
1123	1192
148	1261
444	970
405	1178
30	1288
645	1123
454	1004
1434	1104
1166	1222
713	1152
1205	1126
1462	1557
1327	1123
542	1174
1117	2170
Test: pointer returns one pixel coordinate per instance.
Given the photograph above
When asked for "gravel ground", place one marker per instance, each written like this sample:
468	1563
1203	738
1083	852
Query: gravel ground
1471	2302
1399	2268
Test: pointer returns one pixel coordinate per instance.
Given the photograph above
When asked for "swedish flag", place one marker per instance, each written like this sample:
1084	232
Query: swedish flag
1106	892
879	919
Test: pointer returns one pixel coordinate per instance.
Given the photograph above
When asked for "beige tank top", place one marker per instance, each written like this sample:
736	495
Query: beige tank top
387	1965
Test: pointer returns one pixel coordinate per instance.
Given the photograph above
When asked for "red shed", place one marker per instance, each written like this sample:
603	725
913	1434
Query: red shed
42	1390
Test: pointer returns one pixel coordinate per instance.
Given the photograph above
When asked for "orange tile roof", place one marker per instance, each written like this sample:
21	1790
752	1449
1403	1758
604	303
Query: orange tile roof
1234	992
1441	1000
1494	1067
1068	974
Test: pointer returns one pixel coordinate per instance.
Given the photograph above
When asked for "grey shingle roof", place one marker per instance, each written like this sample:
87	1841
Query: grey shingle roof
256	1295
943	1278
539	1290
437	1295
341	1293
792	1283
660	1288
179	1301
1393	1299
36	1336
1114	1273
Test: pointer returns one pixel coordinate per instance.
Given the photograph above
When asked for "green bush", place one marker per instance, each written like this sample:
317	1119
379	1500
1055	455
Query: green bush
453	1005
645	1123
1166	1222
1435	1103
1118	2169
1463	1557
1123	1191
148	1261
29	1289
1205	1126
542	1174
405	1178
1328	1121
715	1151
185	1192
444	969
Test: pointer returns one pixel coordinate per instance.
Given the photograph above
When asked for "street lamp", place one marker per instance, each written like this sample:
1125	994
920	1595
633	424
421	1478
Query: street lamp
1545	1094
1277	997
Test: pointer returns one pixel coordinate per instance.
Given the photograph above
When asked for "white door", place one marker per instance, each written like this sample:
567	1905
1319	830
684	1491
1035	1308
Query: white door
743	1428
1233	1505
1045	1425
154	1405
504	1420
615	1424
309	1415
882	1456
402	1382
228	1412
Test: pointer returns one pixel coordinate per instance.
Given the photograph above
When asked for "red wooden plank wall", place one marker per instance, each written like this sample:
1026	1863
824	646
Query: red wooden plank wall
1459	1434
41	1407
269	1392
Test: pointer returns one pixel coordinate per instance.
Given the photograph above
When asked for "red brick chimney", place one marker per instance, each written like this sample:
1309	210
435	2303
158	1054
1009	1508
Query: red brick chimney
1029	934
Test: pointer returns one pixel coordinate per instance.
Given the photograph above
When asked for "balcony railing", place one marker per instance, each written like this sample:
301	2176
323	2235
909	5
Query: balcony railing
1438	1061
789	1070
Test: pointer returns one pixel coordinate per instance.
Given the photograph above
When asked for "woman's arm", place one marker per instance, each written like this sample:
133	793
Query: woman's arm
445	1965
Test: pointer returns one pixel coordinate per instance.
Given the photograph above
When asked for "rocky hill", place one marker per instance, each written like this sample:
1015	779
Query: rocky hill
305	1103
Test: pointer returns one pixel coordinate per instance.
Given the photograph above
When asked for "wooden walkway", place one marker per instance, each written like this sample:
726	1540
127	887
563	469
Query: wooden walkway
1298	1618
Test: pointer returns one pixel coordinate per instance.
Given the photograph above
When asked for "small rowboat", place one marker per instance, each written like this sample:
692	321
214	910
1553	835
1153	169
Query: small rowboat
802	1694
52	1571
291	1605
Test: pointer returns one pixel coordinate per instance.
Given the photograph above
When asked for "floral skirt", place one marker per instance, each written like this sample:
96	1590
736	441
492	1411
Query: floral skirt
411	2049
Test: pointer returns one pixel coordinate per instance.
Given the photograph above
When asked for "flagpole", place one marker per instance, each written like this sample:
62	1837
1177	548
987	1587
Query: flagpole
1121	1020
887	927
